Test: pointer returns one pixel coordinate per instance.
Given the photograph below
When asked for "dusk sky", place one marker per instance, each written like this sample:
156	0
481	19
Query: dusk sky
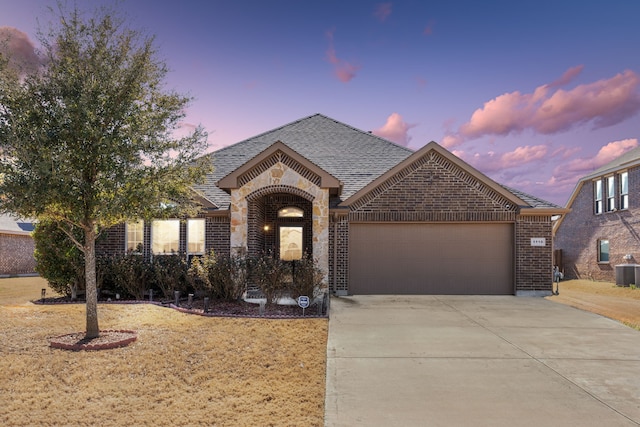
535	94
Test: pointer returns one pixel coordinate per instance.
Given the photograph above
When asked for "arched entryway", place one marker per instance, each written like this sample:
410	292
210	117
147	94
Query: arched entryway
280	223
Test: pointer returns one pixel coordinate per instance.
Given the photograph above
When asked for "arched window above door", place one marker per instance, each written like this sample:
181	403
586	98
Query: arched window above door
290	212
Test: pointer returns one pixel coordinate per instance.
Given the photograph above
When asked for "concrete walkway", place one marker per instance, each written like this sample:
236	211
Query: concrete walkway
478	361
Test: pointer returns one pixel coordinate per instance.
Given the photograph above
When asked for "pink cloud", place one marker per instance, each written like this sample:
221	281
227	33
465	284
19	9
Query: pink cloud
395	129
382	12
343	70
609	152
546	111
20	50
494	162
567	77
523	155
566	175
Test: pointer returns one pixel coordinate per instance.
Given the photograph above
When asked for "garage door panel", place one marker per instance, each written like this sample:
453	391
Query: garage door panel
443	259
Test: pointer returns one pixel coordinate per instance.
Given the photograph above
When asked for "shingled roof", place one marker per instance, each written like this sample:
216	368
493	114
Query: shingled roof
629	159
353	156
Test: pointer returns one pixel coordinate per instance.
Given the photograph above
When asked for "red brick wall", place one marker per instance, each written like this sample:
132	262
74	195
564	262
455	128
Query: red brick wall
16	255
339	254
435	190
534	263
112	241
578	234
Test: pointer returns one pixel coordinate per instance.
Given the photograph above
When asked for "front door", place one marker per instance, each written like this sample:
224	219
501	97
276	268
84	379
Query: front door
290	242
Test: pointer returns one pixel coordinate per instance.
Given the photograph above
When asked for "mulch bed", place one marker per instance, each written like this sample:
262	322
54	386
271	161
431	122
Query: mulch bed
109	339
217	308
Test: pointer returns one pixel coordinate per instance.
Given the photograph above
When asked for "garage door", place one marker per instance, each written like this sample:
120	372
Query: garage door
445	259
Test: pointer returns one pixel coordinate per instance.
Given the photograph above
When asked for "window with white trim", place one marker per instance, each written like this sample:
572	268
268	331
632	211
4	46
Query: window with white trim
195	236
603	250
597	190
611	193
624	190
165	236
135	237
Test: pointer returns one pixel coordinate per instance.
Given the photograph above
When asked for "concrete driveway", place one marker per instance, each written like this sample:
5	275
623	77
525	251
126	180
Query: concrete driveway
478	361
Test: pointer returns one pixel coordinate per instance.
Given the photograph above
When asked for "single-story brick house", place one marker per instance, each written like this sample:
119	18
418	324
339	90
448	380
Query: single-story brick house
16	246
379	218
603	228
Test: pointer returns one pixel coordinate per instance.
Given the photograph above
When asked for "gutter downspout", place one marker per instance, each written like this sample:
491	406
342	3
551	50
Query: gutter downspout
335	253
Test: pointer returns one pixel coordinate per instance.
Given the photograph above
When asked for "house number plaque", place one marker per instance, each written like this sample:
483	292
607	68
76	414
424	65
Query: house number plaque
538	241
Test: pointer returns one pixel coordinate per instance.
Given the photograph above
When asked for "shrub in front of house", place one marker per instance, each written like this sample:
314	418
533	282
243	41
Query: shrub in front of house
171	273
272	276
58	260
306	278
220	277
128	276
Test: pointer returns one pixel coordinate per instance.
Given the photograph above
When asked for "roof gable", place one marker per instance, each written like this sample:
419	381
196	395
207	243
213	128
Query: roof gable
279	152
466	173
352	156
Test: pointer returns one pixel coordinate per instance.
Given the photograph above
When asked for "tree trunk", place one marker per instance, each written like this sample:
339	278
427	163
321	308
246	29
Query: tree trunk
91	285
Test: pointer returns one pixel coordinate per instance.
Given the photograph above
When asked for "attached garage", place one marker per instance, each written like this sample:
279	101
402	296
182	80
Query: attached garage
431	258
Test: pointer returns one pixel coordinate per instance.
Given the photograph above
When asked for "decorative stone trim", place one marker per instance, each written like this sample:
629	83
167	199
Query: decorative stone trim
281	157
273	189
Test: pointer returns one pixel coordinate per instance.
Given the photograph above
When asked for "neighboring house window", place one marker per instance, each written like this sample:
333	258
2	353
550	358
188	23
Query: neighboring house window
135	236
165	236
603	250
611	194
598	196
624	190
195	236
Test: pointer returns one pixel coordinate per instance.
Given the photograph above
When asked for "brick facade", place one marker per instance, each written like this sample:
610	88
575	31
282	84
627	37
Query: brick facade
434	190
113	240
429	188
579	232
16	255
533	263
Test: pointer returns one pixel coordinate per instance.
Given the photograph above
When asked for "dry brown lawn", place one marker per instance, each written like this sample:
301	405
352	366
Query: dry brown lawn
604	298
182	370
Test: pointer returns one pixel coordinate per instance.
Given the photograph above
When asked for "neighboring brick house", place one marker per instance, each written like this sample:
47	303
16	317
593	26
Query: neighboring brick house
16	247
603	228
379	218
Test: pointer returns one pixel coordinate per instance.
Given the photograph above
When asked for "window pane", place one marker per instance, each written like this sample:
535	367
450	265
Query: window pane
135	236
290	243
598	196
624	183
624	190
290	212
195	236
165	236
603	251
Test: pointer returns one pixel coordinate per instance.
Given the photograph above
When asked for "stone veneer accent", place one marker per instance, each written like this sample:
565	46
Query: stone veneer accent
280	178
